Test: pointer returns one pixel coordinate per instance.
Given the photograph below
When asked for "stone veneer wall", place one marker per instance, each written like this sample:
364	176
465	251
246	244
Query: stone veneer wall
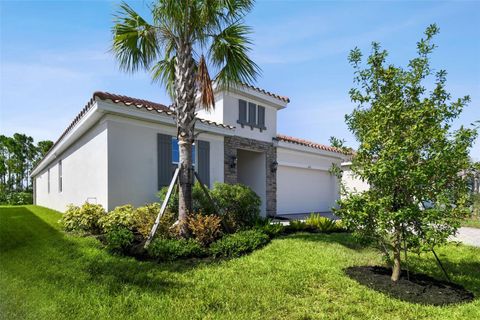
230	174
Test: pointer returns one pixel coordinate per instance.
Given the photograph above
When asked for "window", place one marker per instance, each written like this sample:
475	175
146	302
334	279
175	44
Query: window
60	182
48	180
176	152
253	116
242	112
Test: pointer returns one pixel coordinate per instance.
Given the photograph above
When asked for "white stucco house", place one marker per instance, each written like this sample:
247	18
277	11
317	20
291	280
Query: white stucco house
122	150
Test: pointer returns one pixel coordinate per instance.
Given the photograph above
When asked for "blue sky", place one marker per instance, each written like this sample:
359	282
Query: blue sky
54	55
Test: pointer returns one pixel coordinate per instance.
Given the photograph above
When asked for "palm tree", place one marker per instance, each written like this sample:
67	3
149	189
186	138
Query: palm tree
175	47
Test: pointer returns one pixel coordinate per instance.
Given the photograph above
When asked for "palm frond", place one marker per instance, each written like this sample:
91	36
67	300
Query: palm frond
229	54
164	72
205	86
135	42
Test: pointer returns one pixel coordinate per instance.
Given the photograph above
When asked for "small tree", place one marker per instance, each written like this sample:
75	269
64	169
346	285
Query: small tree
408	153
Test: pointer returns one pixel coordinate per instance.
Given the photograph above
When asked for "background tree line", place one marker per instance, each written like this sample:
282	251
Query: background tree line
18	156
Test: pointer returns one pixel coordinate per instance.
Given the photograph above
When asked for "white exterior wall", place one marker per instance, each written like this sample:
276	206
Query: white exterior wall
231	115
304	183
84	172
352	183
226	112
133	163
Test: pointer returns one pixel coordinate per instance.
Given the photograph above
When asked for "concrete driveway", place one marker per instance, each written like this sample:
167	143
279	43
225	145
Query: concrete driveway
466	235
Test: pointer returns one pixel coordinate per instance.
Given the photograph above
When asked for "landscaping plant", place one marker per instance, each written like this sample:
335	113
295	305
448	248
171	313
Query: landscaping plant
240	205
84	219
205	228
175	46
173	249
408	153
239	243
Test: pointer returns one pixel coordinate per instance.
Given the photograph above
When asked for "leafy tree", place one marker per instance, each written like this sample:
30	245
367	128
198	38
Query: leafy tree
175	47
18	156
408	153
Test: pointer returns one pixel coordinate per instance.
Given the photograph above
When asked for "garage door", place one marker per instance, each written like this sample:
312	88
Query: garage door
302	190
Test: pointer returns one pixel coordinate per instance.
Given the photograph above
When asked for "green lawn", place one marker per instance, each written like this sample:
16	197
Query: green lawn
46	274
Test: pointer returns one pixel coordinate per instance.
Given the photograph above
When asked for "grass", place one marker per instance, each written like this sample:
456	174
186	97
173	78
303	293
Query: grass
472	222
46	274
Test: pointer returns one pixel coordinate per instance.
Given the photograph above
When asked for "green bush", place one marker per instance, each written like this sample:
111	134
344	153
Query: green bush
138	220
172	249
297	226
121	216
240	204
268	227
119	239
237	244
273	230
16	198
84	219
321	224
201	204
316	223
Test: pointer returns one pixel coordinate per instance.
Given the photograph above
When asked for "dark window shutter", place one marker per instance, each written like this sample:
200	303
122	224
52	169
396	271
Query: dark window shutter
164	151
242	111
252	114
203	165
261	117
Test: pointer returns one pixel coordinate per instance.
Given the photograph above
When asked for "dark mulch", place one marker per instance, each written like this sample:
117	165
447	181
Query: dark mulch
420	288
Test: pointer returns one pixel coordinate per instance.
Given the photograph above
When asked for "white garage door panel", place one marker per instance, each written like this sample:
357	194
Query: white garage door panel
301	190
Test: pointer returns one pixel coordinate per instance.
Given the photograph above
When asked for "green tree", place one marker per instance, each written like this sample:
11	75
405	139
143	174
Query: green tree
18	156
175	47
408	153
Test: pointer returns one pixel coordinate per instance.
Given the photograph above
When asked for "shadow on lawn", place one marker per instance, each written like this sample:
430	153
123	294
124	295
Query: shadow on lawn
68	260
464	272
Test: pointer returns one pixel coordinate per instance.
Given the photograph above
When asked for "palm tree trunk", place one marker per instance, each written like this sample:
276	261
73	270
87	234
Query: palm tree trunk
185	112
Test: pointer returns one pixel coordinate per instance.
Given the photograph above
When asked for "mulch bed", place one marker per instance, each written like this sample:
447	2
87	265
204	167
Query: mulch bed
420	289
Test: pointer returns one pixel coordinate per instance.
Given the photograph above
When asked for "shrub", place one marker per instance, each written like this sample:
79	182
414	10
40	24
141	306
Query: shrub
145	218
273	229
84	219
234	245
172	249
204	229
297	226
16	198
268	227
172	205
201	204
138	220
119	239
240	204
322	224
121	216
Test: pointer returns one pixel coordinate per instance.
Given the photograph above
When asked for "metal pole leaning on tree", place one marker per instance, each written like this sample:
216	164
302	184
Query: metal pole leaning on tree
163	207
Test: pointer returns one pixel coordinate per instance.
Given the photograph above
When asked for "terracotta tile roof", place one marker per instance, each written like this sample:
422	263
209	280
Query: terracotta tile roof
285	99
140	103
307	143
150	106
128	101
